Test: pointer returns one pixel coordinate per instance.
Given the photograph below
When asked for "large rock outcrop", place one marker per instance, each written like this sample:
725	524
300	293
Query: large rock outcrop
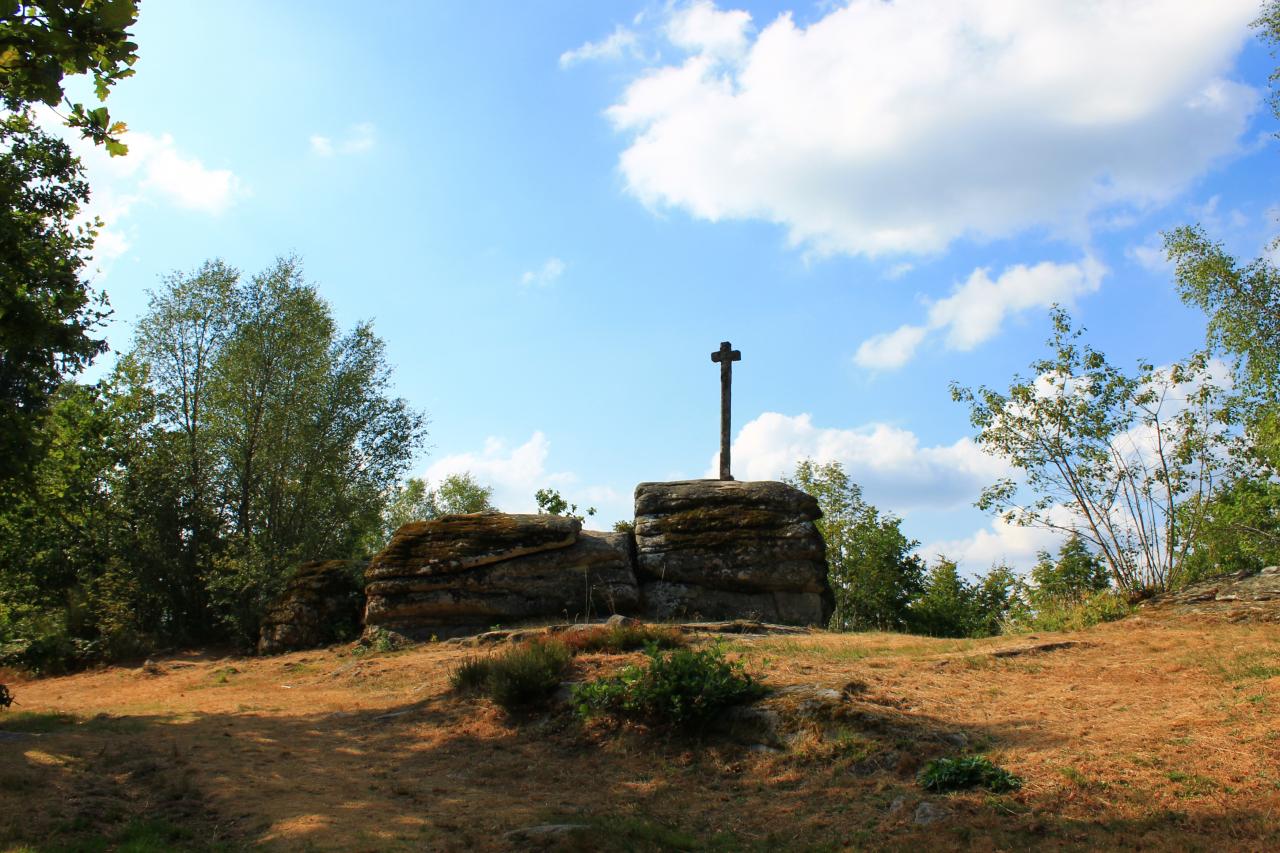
461	574
321	604
725	549
1240	597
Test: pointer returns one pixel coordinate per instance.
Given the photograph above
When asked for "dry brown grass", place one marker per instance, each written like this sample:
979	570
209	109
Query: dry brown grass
1147	735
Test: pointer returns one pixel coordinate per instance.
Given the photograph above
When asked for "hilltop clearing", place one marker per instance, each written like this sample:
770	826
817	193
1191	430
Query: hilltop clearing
1150	732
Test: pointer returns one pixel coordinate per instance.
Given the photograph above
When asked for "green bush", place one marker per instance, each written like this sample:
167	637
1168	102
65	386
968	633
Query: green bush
1074	615
975	771
684	688
520	677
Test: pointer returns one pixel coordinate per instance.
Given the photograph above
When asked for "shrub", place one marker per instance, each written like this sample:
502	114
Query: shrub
1075	615
685	688
615	639
975	771
522	676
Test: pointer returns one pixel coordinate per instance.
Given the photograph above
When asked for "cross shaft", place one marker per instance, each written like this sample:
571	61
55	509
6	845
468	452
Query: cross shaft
725	357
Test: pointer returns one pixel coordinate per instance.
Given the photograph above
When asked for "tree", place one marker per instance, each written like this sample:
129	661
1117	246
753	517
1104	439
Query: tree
47	316
284	443
43	42
1242	303
945	606
415	500
1113	456
1075	574
551	503
872	571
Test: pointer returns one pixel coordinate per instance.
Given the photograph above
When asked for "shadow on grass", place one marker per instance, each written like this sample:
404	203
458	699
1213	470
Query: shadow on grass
449	773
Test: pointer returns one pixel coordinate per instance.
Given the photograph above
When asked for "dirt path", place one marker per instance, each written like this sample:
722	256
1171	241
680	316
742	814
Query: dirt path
1145	733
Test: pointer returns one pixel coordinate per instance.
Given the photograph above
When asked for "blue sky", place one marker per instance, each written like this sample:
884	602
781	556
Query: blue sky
554	212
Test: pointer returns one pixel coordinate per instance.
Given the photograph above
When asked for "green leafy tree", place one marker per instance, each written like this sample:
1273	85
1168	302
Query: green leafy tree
997	599
870	567
550	502
1075	574
1241	530
415	500
47	316
1114	456
43	42
279	431
945	607
1241	300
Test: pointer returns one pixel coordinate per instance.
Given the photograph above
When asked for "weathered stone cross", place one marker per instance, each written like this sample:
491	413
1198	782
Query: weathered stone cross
725	357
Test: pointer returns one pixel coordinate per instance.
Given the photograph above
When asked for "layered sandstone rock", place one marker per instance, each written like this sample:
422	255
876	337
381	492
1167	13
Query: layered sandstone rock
461	574
1239	597
321	604
726	549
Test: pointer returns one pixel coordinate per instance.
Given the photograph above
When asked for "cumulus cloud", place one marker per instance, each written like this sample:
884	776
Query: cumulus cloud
894	470
516	473
977	308
901	127
157	168
550	271
1001	543
1150	255
621	42
156	171
891	349
358	139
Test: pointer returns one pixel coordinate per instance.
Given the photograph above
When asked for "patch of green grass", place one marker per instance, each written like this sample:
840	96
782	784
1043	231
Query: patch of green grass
152	835
684	688
223	675
1192	784
1254	665
974	771
1075	777
638	833
520	677
37	722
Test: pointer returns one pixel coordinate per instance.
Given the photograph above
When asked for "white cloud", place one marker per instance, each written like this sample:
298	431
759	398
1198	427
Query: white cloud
156	168
516	473
999	543
1151	256
895	471
156	171
550	271
891	349
359	138
976	309
901	127
619	43
703	29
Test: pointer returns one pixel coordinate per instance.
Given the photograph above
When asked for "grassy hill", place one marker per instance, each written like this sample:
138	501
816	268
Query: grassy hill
1156	731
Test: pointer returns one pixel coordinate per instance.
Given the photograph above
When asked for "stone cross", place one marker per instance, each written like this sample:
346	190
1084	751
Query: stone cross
725	357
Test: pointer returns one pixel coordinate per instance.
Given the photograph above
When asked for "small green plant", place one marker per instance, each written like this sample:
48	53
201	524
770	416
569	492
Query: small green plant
520	677
684	688
974	771
615	639
378	639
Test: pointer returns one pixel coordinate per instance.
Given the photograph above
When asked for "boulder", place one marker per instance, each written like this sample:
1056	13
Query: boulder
462	574
724	549
320	604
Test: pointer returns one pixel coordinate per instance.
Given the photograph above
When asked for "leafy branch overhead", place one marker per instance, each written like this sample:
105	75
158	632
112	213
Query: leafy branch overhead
42	43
